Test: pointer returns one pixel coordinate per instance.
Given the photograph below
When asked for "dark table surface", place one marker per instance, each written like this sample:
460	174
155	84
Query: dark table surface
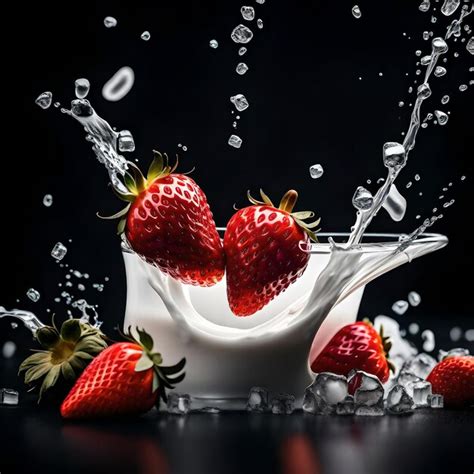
35	439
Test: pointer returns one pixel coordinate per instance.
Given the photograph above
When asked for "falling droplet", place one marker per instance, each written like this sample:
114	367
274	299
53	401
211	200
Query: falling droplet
260	23
441	117
242	50
44	100
241	68
316	171
248	13
82	87
362	199
47	200
119	85
145	36
110	22
356	11
213	44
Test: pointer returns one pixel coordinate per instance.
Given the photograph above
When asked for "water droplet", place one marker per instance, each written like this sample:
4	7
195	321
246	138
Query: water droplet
110	22
59	251
185	148
470	45
213	44
413	328
362	199
395	204
316	171
445	99
248	13
235	141
242	51
424	6
424	91
449	7
439	45
145	36
81	87
380	74
33	295
57	104
441	117
401	103
463	178
119	85
448	204
47	200
463	87
394	155
433	19
356	11
426	35
409	184
380	180
260	23
418	217
261	2
425	60
241	68
429	340
241	34
240	102
400	307
417	177
125	141
44	100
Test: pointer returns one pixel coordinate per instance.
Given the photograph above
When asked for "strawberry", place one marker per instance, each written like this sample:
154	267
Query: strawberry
453	378
263	253
168	223
126	378
356	346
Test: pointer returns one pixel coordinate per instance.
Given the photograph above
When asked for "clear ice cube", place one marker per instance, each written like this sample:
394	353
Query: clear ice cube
420	365
310	403
125	141
368	396
241	34
248	13
346	407
450	6
258	399
316	171
44	100
59	251
394	155
283	404
456	352
235	141
8	396
421	393
436	401
400	307
82	87
362	199
178	403
33	295
329	389
399	402
414	298
240	102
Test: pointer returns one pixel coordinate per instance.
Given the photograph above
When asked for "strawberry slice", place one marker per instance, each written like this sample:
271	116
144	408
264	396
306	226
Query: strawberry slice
263	251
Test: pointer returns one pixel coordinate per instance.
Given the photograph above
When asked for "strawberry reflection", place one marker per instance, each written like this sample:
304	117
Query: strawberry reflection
298	456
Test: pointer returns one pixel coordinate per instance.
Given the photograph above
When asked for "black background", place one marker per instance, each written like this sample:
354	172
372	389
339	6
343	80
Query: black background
307	105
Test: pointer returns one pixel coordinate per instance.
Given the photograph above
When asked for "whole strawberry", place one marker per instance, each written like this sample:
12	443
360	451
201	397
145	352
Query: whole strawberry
263	253
168	222
453	378
356	346
125	379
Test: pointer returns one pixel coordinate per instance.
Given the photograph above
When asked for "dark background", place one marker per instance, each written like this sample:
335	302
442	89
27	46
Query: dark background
307	106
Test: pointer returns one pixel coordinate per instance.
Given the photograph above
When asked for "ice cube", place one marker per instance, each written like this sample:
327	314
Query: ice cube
210	410
400	307
241	34
110	22
368	396
362	199
8	396
407	380
8	349
436	401
248	13
420	365
346	407
33	295
456	352
310	403
413	297
450	6
283	404
316	171
44	100
240	102
235	141
399	402
125	141
47	200
241	68
394	155
258	399
421	392
329	389
82	87
59	251
178	403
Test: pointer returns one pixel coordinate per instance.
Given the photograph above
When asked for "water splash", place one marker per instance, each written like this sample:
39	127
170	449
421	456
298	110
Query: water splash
29	319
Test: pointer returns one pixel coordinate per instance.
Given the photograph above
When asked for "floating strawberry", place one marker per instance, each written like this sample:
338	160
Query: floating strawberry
127	378
356	346
453	378
168	222
263	254
67	352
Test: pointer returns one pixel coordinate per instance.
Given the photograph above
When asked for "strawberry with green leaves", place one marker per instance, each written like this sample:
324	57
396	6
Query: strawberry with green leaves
264	248
169	223
125	379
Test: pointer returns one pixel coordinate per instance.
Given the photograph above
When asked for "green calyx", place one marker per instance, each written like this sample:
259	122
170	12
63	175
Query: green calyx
136	183
66	354
164	377
287	204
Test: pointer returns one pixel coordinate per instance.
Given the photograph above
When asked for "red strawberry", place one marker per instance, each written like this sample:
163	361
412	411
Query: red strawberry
453	378
356	346
124	379
263	254
168	222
